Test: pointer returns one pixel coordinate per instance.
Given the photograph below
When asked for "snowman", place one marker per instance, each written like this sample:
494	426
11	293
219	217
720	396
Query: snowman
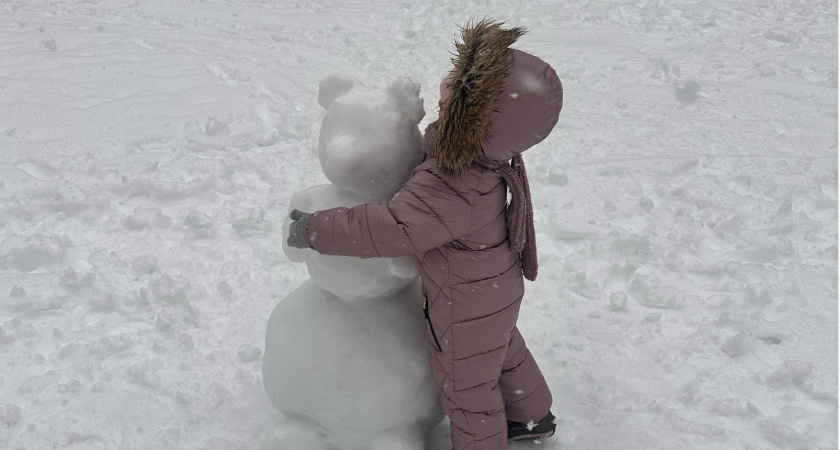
346	358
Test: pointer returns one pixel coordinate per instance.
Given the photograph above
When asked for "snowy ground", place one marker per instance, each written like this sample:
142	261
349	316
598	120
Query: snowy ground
686	211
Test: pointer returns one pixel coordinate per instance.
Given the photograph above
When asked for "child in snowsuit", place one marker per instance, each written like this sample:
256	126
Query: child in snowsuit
472	248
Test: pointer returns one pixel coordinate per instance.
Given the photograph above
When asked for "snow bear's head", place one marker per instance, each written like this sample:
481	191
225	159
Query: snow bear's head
369	140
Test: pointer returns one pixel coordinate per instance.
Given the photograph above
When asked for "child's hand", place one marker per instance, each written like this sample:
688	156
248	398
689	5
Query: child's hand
297	238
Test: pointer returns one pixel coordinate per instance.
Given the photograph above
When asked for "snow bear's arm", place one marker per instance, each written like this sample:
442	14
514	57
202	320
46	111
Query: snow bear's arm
426	213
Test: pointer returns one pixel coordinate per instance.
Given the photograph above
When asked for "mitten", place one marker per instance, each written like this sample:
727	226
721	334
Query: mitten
297	229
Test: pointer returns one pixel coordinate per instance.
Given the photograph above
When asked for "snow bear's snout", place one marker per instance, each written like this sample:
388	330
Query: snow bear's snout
343	153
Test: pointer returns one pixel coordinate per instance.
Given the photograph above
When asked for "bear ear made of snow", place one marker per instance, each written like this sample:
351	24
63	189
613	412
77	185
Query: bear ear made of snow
407	94
332	87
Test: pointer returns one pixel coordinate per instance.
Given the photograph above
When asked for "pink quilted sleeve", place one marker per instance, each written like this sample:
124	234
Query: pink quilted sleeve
426	213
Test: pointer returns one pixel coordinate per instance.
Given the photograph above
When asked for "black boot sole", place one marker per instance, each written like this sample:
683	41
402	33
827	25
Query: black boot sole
532	436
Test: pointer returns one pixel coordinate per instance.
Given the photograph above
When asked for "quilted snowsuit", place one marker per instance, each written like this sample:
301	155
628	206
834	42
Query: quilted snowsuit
453	220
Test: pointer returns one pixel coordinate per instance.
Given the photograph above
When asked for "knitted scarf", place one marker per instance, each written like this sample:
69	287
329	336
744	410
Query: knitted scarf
520	213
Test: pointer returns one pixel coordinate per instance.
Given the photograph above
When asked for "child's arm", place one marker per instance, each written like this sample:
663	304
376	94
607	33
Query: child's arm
424	214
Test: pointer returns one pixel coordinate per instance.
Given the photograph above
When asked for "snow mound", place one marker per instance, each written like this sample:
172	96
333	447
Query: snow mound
356	370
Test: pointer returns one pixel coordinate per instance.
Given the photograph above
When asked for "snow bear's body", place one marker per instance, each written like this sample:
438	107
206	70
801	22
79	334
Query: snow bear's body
346	353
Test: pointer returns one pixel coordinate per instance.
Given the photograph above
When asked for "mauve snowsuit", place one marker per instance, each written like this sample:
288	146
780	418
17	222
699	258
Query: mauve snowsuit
456	228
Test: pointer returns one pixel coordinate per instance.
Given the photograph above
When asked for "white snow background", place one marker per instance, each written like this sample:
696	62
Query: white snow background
685	205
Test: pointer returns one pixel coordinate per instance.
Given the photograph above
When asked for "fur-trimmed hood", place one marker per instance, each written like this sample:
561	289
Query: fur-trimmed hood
501	101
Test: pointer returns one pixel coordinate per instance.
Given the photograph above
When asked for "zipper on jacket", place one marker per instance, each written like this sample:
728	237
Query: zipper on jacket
429	319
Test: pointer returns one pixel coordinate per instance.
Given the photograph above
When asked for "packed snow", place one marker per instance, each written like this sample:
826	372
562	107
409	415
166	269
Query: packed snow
368	144
369	140
383	398
346	353
685	207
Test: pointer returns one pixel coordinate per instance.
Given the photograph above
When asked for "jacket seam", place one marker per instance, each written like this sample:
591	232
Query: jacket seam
477	385
413	246
448	329
332	233
488	278
370	234
481	353
437	216
402	225
452	335
472	210
446	183
516	366
491	222
490	314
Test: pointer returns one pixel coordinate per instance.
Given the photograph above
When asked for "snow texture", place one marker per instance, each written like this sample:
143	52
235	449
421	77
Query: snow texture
150	150
385	383
346	353
369	140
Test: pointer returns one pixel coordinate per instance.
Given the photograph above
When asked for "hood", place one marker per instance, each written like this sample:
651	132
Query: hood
501	102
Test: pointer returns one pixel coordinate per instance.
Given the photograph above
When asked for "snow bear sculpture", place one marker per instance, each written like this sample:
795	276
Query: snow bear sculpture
368	145
346	357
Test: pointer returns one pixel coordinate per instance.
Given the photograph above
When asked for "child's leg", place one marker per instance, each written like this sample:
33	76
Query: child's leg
467	368
525	391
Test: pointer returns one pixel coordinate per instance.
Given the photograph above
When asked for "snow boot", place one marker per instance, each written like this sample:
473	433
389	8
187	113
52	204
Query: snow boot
518	431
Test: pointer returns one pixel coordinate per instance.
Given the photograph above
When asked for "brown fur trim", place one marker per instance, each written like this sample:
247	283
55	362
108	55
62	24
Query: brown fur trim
480	68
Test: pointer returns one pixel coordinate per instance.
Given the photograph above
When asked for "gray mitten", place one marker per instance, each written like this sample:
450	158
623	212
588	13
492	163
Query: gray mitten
297	229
